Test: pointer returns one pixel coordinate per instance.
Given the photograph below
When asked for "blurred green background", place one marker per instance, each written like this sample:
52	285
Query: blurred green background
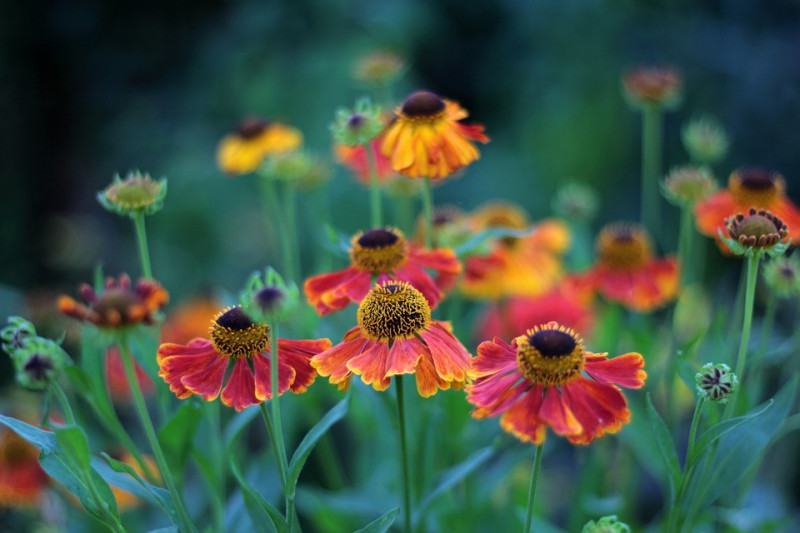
94	88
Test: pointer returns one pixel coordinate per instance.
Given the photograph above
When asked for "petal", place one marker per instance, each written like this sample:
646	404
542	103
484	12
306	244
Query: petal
428	380
522	418
420	280
557	414
323	291
176	361
451	359
371	365
240	390
625	370
333	362
207	381
297	354
493	394
402	357
263	378
493	356
599	408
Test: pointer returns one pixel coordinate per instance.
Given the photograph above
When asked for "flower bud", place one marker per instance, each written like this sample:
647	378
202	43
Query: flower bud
15	333
607	524
380	67
137	193
705	140
688	185
716	382
38	362
653	86
576	201
269	298
782	276
358	126
756	233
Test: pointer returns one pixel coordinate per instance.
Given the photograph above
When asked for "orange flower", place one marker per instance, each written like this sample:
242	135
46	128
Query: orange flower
748	187
383	252
189	320
22	480
516	266
118	305
396	335
199	367
244	150
118	382
653	85
626	272
426	138
357	159
537	381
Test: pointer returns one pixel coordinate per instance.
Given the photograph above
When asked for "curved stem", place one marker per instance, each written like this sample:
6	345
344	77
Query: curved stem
63	402
290	230
218	497
685	247
427	207
280	448
150	431
537	465
141	239
401	418
651	169
374	186
277	219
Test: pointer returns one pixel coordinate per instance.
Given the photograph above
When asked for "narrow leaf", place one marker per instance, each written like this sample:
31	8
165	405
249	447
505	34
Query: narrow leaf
177	436
666	446
714	433
257	507
454	475
382	523
75	444
126	477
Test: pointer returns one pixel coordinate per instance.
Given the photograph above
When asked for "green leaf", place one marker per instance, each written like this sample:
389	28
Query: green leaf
666	446
474	242
382	523
257	507
454	475
300	456
75	444
177	436
712	434
127	478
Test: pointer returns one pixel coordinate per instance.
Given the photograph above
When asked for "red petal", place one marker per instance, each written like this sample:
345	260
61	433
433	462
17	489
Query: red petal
240	390
263	377
371	365
493	356
625	370
451	359
403	357
557	414
420	280
522	419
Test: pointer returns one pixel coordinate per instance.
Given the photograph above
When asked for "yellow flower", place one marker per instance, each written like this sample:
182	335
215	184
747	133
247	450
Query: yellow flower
242	151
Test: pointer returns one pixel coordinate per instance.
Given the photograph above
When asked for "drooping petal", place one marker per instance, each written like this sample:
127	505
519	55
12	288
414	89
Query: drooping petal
493	394
207	381
325	292
240	390
262	365
428	380
595	418
370	364
403	357
522	418
333	362
297	354
420	280
557	413
451	359
176	361
494	356
624	370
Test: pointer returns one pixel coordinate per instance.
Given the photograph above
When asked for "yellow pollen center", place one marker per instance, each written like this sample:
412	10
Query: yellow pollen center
233	334
393	310
378	250
756	187
623	247
550	355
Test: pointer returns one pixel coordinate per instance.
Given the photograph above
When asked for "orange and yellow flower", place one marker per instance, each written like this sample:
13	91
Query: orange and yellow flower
396	335
515	266
22	480
118	304
538	381
427	139
626	272
383	253
243	151
200	366
748	188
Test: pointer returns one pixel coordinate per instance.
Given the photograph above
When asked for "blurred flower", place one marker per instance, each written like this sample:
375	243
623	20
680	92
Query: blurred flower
38	362
451	226
117	381
268	298
626	272
748	187
756	233
607	524
782	276
692	315
137	193
358	126
576	201
117	305
15	333
426	138
515	266
317	175
651	85
537	381
379	67
716	382
562	304
199	367
385	253
686	186
243	151
706	140
356	158
292	167
127	501
22	480
398	314
189	320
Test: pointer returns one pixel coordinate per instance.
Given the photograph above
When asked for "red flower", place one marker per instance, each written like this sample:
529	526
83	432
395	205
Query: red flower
22	480
200	366
357	159
396	335
537	381
383	252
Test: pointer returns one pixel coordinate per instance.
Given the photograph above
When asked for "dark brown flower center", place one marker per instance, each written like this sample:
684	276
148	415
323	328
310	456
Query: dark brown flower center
756	187
251	127
235	319
378	250
550	354
234	334
37	367
553	343
376	238
623	246
423	104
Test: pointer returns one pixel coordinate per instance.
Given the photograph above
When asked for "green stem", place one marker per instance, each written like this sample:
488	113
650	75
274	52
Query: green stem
276	420
651	169
688	469
374	187
277	219
63	402
537	466
141	239
147	423
766	329
217	499
273	442
290	206
749	296
693	428
401	418
427	207
685	236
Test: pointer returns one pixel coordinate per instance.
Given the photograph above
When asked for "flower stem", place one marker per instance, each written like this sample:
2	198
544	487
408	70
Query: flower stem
217	505
141	238
427	206
749	296
277	220
673	517
280	447
651	169
63	402
401	418
374	187
290	230
685	237
537	466
766	328
147	423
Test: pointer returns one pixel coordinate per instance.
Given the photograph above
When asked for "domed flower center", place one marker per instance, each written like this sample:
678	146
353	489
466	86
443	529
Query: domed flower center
37	367
378	250
393	310
269	298
756	187
119	306
251	127
758	229
422	105
235	335
134	192
550	354
623	246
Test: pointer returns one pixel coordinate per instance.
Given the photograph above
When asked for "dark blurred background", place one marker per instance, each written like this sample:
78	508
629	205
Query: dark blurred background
92	88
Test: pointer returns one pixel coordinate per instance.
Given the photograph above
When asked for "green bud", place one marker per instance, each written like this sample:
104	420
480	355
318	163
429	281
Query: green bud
756	234
576	201
15	333
268	298
38	362
686	186
358	126
294	166
607	524
782	276
137	194
716	382
705	140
